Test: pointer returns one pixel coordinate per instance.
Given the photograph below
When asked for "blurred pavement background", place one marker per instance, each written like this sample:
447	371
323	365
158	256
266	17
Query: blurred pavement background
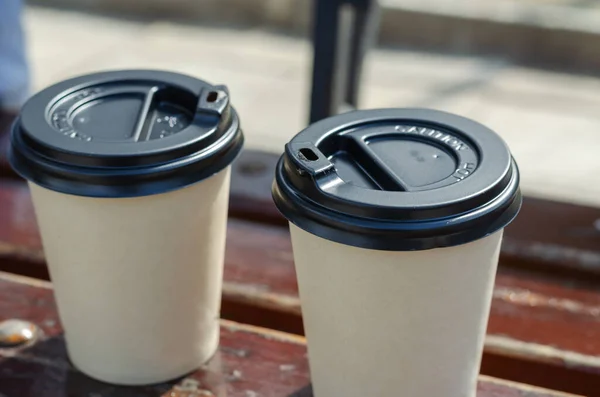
550	119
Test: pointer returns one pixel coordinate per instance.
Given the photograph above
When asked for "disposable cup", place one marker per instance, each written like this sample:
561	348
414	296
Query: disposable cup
129	174
396	220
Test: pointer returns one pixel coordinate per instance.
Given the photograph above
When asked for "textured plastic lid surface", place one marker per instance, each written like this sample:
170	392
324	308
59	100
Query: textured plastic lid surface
125	133
398	179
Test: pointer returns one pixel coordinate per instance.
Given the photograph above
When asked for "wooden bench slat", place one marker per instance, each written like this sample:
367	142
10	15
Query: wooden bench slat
251	361
544	322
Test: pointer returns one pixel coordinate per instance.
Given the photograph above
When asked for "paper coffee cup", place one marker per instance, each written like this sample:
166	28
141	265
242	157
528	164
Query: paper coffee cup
129	175
396	219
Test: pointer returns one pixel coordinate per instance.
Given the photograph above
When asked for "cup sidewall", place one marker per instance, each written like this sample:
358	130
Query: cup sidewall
137	280
377	322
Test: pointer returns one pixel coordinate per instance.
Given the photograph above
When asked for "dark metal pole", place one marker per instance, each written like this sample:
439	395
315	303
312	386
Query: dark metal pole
343	30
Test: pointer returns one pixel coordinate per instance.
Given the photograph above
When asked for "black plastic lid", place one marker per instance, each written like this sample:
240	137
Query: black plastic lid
125	133
398	179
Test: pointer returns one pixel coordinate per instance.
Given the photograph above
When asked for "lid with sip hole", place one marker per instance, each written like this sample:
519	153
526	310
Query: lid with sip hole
125	134
398	179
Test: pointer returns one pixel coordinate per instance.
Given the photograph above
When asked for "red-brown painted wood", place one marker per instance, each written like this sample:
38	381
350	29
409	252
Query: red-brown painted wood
251	362
547	235
538	325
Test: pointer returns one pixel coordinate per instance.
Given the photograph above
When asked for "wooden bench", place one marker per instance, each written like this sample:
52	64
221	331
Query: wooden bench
545	321
251	361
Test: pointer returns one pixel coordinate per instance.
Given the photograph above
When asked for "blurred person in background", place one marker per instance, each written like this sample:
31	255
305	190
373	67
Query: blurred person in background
14	71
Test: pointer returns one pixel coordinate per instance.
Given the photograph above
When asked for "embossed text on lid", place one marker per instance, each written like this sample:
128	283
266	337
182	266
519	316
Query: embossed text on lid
403	158
121	113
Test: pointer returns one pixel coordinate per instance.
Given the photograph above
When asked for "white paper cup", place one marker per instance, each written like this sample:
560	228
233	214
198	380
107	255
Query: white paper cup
137	280
385	323
396	219
134	239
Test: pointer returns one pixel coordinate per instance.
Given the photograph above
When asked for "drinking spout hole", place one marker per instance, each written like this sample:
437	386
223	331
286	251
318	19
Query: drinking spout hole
308	154
212	96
